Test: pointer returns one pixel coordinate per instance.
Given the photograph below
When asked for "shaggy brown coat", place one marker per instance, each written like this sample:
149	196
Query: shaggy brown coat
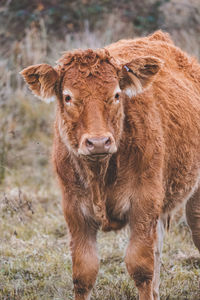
139	101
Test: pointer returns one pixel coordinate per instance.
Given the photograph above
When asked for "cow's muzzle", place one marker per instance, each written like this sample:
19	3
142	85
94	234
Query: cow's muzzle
97	146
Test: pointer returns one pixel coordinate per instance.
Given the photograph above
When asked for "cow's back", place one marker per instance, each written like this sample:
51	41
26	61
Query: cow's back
176	95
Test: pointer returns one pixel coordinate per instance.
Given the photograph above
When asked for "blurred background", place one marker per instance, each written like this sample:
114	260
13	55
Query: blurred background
38	31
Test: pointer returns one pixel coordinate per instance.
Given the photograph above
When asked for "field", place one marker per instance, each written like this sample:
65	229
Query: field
35	260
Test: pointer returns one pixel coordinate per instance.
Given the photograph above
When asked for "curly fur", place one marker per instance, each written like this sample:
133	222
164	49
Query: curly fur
155	128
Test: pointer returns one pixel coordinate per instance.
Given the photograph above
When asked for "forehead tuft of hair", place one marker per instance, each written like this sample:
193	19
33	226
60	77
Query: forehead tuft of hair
89	58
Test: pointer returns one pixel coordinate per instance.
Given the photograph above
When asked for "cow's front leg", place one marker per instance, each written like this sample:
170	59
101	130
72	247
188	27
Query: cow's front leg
140	251
85	265
140	265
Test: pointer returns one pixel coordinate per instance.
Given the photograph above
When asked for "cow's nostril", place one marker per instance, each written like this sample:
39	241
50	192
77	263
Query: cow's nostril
97	145
89	144
108	143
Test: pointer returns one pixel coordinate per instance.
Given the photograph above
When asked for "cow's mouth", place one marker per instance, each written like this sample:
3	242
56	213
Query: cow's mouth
98	156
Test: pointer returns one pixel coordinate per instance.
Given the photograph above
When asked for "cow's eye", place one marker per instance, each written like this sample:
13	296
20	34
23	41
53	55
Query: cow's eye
68	99
117	96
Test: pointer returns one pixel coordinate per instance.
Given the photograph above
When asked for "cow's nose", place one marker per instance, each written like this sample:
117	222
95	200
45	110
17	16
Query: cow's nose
97	145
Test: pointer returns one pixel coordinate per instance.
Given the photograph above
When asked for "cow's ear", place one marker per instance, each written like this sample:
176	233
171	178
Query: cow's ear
138	74
41	79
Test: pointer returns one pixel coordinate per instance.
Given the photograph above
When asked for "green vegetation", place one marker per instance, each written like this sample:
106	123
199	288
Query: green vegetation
35	260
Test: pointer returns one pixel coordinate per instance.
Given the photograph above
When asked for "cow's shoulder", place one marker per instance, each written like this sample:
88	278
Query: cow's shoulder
160	35
159	45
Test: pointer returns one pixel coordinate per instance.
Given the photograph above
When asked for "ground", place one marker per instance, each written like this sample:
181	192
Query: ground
35	259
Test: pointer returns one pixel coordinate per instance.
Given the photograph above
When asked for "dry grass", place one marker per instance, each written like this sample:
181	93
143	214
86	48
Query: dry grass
35	259
34	256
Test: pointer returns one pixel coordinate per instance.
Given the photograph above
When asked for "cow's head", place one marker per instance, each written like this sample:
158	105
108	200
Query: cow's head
90	87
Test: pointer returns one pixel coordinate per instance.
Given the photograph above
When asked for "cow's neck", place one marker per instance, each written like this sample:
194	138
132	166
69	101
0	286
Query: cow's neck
93	173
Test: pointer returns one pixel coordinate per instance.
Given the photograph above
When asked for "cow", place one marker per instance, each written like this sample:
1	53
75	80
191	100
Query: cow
126	149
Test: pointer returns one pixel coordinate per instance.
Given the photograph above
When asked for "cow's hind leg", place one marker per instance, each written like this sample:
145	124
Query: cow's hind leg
157	255
193	217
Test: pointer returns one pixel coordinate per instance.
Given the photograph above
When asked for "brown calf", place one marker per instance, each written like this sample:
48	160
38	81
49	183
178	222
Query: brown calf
126	149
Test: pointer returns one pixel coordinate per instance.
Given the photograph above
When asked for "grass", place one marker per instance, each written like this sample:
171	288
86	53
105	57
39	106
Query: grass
35	261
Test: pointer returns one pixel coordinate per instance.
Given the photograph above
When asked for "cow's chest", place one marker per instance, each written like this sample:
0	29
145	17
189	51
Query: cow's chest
115	195
118	200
